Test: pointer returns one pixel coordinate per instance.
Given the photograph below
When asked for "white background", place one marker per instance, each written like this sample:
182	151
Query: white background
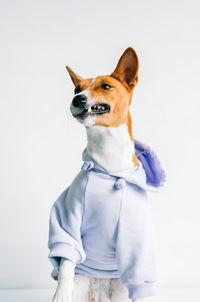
41	144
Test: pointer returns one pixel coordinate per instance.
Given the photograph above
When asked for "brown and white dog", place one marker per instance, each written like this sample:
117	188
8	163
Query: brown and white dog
101	104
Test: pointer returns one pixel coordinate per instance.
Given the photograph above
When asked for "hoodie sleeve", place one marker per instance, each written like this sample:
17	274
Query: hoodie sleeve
135	246
65	224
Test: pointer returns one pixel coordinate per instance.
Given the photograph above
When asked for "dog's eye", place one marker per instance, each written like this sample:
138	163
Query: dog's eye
105	86
77	89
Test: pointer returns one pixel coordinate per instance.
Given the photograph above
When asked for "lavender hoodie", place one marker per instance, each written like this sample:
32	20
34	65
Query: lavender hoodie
102	223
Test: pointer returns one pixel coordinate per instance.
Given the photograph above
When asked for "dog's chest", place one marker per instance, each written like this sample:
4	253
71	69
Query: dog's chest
102	207
106	205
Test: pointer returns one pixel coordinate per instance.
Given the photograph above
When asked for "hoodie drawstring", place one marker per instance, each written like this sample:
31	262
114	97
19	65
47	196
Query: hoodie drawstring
120	183
87	165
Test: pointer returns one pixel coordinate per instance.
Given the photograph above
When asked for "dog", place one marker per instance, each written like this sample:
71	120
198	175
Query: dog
101	237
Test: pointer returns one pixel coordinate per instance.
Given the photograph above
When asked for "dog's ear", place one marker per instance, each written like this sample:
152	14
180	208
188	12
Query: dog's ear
74	76
127	68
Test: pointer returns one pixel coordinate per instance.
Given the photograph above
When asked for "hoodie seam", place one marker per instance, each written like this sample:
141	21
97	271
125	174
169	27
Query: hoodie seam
118	221
83	213
142	283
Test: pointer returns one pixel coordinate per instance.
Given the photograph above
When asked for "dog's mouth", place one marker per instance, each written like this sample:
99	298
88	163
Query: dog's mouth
99	108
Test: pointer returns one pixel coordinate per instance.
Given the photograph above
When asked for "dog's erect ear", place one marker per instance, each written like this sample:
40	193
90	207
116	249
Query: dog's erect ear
127	68
74	76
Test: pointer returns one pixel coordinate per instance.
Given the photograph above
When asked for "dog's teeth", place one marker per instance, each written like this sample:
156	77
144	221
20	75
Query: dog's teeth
98	108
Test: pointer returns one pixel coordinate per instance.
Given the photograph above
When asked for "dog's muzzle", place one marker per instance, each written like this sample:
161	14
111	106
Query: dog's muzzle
80	108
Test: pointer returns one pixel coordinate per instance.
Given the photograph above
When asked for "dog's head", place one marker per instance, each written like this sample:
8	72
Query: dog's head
105	100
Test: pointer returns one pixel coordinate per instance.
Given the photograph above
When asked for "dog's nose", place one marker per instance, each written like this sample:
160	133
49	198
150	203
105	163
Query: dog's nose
79	100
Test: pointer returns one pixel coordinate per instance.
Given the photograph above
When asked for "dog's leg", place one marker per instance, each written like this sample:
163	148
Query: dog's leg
81	289
65	282
119	291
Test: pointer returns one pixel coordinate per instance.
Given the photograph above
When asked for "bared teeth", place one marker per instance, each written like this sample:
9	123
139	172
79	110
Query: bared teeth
99	108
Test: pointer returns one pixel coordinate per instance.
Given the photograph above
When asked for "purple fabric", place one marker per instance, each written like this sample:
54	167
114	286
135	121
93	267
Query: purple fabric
102	223
154	173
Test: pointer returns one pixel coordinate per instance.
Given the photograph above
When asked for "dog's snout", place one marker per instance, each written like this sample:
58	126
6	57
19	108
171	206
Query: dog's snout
79	100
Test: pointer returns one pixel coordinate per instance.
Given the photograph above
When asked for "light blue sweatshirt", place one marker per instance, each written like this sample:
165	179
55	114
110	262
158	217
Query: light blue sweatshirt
102	222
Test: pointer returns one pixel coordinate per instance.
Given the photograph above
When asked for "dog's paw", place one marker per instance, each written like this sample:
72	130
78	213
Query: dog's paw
62	295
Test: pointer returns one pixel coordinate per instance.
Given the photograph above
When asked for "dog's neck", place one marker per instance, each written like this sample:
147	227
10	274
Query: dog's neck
111	147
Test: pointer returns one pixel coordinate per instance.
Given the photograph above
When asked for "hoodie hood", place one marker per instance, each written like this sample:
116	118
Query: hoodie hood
155	175
148	175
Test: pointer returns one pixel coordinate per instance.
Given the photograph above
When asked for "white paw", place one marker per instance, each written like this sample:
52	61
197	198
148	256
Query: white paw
62	295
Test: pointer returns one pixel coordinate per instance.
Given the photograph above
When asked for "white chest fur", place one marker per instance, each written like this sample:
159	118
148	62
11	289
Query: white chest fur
111	147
